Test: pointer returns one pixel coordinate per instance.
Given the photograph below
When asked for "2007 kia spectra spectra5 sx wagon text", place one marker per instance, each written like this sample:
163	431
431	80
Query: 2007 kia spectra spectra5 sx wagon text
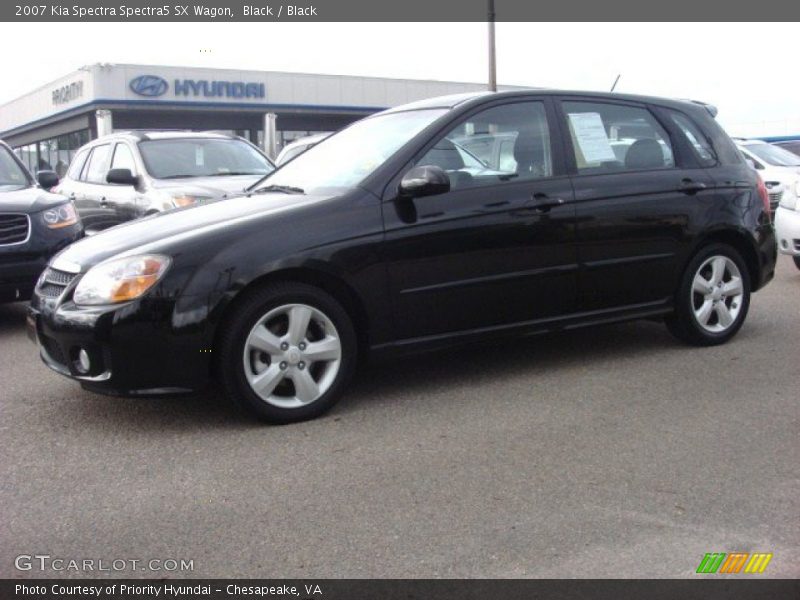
436	222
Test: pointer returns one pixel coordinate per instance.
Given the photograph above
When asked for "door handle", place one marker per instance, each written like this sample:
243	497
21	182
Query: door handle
543	202
689	186
103	202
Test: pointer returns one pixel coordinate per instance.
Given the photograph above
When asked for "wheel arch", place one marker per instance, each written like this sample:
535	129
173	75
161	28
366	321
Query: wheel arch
741	242
329	282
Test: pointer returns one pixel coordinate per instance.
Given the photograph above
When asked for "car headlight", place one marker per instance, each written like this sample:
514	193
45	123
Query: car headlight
120	280
60	216
182	200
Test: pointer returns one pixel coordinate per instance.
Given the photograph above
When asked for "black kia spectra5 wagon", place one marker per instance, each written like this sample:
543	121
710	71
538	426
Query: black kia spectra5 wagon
437	222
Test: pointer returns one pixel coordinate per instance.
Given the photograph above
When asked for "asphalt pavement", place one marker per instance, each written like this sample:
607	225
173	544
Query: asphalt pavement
607	452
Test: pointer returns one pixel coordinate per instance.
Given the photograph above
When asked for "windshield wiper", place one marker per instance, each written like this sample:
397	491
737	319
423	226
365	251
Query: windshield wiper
286	189
178	176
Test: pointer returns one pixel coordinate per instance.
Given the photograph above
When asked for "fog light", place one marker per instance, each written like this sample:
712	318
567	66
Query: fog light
84	364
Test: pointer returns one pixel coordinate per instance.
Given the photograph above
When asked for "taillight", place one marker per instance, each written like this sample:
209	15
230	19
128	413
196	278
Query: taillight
762	191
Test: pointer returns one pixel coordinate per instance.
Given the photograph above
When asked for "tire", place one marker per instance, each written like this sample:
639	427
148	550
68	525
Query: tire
796	261
707	314
267	359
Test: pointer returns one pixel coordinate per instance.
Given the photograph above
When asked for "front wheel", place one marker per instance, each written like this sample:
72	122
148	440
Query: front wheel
286	353
713	298
796	261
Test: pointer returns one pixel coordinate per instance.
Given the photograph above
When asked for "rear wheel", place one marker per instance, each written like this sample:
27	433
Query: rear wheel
713	298
287	353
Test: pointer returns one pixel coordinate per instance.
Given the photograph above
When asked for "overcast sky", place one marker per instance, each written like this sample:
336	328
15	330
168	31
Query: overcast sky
749	71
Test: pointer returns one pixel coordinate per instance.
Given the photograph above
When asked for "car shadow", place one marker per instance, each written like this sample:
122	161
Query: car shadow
406	381
485	363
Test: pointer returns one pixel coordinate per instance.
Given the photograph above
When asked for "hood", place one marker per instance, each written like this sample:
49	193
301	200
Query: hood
28	200
216	187
142	235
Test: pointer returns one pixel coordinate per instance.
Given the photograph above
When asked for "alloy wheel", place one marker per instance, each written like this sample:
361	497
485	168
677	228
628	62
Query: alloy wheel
717	294
292	355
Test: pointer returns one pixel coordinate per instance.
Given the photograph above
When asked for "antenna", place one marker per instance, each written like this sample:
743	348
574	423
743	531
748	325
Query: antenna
615	82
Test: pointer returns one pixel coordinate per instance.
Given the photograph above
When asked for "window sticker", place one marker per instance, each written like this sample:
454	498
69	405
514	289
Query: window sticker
591	136
198	156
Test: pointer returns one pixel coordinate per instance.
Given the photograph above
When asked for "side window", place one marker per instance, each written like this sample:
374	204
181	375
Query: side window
123	158
502	143
611	138
701	144
97	166
76	166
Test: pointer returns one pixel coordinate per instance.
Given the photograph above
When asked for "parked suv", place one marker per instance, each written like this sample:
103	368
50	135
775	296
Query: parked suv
128	175
34	225
377	242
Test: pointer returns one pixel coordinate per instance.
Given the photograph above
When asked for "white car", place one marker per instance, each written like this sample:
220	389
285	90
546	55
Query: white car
787	225
779	168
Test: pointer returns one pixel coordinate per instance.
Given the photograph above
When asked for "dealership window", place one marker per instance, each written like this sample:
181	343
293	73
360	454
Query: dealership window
54	154
610	138
510	142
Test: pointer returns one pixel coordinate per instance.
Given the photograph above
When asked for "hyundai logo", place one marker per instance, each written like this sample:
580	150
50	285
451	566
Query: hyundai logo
149	85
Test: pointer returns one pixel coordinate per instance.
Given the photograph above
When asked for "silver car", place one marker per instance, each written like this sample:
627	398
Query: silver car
127	175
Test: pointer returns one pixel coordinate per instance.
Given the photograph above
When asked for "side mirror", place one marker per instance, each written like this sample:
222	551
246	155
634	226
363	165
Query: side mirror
122	177
426	180
47	179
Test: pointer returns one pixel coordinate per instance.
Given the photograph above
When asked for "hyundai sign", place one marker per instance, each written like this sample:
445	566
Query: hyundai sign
153	86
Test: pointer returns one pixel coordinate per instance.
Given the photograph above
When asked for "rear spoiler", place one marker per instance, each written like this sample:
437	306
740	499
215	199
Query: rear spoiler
712	110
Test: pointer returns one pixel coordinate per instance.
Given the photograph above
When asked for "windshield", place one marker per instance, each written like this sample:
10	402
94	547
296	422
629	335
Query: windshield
344	160
774	155
12	176
202	157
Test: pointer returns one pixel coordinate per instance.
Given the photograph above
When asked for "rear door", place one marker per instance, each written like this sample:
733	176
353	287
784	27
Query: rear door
495	250
96	212
71	185
636	197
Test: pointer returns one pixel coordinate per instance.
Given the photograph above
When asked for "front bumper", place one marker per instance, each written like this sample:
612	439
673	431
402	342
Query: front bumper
787	230
21	265
133	349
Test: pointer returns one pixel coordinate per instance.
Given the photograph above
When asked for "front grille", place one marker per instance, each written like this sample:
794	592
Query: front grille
774	199
14	228
53	282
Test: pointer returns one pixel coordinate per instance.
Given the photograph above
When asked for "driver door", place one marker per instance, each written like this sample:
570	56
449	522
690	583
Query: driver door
498	248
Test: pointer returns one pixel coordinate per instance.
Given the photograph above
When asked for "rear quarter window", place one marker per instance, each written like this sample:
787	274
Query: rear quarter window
701	145
76	166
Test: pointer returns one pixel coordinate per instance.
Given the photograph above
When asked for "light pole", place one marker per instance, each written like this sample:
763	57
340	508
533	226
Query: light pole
492	54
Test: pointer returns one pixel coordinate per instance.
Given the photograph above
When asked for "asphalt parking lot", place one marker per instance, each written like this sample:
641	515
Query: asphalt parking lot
611	452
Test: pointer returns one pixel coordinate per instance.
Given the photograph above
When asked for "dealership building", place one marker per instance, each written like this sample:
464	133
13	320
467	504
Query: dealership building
47	125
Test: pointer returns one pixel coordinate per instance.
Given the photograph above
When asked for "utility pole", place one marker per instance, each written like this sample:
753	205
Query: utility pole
492	54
